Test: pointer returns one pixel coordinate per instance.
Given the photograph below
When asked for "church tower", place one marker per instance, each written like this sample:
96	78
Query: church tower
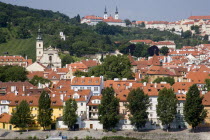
105	14
39	46
116	14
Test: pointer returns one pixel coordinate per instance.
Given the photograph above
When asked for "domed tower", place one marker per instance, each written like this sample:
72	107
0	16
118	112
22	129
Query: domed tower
116	14
105	14
39	46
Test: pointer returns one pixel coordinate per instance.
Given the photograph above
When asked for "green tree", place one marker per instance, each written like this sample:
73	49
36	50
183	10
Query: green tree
112	67
45	111
127	22
138	103
67	59
21	116
207	85
169	80
109	109
187	34
69	113
194	111
14	73
36	80
166	107
164	50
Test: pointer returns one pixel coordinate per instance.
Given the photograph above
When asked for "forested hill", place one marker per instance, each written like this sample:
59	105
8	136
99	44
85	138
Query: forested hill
19	25
19	15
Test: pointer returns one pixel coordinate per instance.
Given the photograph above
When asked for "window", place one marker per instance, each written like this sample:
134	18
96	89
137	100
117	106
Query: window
81	104
50	58
95	88
60	108
125	121
124	111
81	112
150	115
150	107
179	111
59	115
89	88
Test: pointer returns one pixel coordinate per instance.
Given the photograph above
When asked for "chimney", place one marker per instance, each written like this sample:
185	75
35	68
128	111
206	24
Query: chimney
155	85
61	97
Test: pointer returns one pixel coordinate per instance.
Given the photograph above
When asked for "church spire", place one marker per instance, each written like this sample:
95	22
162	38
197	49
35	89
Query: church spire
105	11
116	14
116	10
39	37
105	14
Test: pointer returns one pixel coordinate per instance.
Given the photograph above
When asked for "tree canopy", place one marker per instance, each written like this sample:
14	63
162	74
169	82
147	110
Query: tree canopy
69	113
113	67
164	50
13	73
109	109
194	111
166	107
36	80
169	80
138	103
21	116
45	111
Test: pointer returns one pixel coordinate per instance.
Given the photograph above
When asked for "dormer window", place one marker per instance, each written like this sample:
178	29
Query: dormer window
30	102
149	90
54	102
16	102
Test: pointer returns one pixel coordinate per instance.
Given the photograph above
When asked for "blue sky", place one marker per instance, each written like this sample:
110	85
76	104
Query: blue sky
166	10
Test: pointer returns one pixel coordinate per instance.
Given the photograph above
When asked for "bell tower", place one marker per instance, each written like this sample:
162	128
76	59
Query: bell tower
39	46
105	14
116	14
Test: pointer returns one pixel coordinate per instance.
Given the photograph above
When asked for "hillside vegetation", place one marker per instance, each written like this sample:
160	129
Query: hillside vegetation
19	25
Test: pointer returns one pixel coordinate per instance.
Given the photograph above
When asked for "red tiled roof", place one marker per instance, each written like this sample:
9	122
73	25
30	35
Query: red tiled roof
163	43
199	17
206	99
157	22
111	19
5	118
94	98
142	41
92	17
90	63
86	81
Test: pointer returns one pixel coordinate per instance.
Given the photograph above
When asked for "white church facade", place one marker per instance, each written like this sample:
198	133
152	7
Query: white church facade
48	57
93	20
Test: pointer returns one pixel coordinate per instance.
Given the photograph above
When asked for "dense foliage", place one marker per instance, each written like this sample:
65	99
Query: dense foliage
13	73
164	50
36	80
169	80
109	109
138	103
112	67
194	111
138	50
45	111
166	107
69	113
21	116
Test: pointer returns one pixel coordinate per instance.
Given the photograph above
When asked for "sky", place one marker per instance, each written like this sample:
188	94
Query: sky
140	10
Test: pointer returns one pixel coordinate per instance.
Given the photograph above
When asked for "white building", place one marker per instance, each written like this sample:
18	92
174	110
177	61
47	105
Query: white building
93	20
48	57
95	84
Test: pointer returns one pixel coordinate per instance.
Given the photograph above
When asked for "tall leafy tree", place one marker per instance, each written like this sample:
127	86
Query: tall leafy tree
164	50
45	111
22	117
112	67
36	80
207	85
166	107
169	80
109	109
69	113
194	111
138	103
